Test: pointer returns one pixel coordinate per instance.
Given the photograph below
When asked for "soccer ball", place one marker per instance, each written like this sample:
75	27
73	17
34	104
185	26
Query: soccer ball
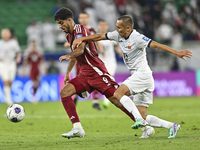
15	113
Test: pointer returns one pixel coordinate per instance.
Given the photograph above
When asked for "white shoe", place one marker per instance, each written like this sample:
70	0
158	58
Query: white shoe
74	133
147	132
35	100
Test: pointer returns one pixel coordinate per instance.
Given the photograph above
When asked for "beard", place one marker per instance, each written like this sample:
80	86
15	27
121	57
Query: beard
66	29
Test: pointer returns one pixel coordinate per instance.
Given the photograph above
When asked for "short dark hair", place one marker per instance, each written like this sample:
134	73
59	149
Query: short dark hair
63	14
101	20
126	20
84	12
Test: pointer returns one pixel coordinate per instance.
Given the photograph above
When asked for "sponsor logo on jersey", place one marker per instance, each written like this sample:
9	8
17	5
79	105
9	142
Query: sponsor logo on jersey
78	36
145	38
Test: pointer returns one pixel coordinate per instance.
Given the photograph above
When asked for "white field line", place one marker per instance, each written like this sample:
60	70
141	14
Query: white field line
90	116
65	116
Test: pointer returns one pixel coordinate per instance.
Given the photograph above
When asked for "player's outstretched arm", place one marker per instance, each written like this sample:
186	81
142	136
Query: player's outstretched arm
66	45
18	58
77	52
94	37
181	54
72	62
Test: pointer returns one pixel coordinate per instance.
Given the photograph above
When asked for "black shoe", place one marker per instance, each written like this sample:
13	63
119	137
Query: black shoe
76	100
96	106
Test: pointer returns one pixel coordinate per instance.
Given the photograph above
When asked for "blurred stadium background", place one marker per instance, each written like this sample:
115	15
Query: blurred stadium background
175	23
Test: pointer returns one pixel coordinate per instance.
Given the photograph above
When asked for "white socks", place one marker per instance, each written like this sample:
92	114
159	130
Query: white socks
78	125
157	122
95	101
7	92
130	106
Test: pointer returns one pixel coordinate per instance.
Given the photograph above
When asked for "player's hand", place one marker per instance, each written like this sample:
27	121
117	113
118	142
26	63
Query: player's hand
66	45
76	43
64	57
18	60
67	78
184	53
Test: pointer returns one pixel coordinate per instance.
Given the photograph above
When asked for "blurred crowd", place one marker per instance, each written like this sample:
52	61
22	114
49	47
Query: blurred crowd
165	21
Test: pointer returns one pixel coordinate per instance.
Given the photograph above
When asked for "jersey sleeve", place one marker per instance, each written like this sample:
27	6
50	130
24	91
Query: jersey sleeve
142	41
112	35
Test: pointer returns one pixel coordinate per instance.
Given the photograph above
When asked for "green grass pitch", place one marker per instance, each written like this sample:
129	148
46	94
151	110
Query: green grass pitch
108	129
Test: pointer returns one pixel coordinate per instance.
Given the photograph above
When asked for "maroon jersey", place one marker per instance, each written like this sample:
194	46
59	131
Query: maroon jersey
89	61
34	58
92	31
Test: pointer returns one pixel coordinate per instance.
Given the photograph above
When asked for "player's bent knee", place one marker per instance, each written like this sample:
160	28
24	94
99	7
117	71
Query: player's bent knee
117	95
61	92
65	92
115	102
121	91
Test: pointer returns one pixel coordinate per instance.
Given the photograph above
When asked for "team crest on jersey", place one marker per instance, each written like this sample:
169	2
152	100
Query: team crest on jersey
78	36
145	38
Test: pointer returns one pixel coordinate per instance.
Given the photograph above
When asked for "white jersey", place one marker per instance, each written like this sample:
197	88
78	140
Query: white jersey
133	49
140	83
109	59
8	51
8	66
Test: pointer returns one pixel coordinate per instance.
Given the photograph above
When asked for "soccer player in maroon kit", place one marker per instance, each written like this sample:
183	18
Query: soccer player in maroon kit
83	19
34	56
92	75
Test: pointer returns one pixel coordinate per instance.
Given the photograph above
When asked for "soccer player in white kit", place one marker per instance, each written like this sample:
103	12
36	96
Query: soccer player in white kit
108	58
9	48
140	83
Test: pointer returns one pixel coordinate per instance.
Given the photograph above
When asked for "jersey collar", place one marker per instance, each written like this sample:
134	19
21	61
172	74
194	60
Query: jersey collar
128	36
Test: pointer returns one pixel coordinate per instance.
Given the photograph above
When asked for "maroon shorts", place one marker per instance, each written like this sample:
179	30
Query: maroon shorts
104	84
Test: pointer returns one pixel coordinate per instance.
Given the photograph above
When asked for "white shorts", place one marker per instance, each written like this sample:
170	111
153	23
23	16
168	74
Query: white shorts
141	85
8	72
